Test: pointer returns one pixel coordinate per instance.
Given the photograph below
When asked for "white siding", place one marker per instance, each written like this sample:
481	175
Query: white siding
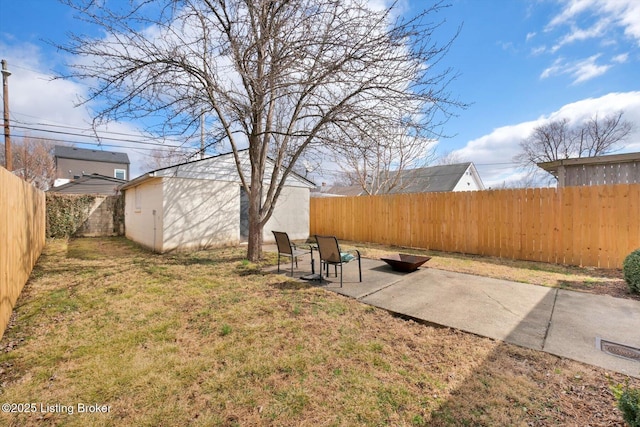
197	205
141	224
200	213
468	182
290	215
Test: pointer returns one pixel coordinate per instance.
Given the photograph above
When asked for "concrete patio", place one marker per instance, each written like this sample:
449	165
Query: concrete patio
561	322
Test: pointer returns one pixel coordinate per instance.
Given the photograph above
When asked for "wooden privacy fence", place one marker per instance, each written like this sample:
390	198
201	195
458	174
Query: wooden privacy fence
22	237
588	226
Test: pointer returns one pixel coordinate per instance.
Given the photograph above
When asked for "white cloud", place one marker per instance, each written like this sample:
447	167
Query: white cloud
37	101
34	95
598	30
493	153
587	69
598	24
572	8
557	68
507	46
531	35
580	71
399	7
620	59
538	50
609	13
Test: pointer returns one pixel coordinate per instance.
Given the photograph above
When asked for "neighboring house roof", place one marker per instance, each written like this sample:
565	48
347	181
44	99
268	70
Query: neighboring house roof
216	168
337	190
433	179
64	152
90	184
421	180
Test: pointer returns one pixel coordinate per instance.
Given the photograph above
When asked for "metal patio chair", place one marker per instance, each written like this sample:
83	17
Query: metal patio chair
288	249
330	254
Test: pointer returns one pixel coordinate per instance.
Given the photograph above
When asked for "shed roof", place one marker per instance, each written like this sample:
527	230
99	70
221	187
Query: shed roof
90	184
221	167
552	167
76	153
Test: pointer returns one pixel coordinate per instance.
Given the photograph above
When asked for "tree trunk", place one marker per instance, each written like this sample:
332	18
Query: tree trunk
254	250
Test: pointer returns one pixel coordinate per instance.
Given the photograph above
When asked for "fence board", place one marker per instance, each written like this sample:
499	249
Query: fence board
634	225
591	226
605	230
482	216
572	228
22	237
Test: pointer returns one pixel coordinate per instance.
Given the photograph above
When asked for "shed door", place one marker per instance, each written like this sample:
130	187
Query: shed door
244	215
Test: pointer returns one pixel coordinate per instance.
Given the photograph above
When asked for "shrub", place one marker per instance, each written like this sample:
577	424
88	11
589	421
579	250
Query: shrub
629	404
66	213
631	270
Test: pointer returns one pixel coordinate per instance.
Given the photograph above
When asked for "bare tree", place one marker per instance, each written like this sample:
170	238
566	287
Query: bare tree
160	158
280	77
450	158
548	142
383	165
558	140
600	136
34	162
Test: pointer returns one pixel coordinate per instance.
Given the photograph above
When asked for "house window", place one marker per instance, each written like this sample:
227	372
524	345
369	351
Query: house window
120	173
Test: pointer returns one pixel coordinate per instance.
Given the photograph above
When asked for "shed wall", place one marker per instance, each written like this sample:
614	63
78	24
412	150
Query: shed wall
290	215
200	213
603	174
141	224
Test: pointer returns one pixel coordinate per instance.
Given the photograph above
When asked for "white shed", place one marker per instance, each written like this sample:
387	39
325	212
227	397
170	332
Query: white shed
202	204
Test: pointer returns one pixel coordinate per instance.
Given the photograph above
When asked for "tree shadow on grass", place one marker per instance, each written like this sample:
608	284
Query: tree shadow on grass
290	285
515	385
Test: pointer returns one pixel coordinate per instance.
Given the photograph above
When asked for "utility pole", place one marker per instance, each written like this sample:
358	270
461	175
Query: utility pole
7	132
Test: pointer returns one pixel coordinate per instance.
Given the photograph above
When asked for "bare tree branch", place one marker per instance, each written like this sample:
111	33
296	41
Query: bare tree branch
283	78
558	140
34	162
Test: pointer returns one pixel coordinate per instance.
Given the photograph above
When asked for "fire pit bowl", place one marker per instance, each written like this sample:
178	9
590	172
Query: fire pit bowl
404	262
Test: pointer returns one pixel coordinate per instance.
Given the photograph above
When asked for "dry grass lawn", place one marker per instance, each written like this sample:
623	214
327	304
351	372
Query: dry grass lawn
208	339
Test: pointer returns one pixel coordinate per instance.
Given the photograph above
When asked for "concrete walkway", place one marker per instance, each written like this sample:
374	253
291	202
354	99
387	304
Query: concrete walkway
569	324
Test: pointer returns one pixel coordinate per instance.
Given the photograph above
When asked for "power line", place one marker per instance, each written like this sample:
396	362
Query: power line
58	132
146	141
32	70
57	125
158	147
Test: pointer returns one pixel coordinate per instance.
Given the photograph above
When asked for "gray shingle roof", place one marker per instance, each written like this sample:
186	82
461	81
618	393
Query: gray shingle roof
90	184
338	190
431	179
422	180
87	154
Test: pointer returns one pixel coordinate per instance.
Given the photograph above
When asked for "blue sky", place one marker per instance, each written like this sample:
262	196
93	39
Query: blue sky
521	63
